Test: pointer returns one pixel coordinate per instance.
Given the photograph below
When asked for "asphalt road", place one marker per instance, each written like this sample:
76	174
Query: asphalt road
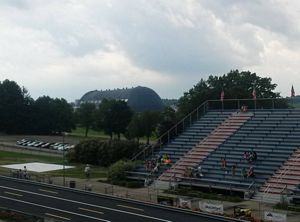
64	204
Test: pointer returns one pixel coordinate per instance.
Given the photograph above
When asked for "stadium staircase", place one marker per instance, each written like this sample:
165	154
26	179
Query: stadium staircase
285	180
196	155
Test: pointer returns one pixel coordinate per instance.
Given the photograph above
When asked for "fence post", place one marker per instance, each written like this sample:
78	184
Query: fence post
197	113
273	105
169	136
239	105
190	119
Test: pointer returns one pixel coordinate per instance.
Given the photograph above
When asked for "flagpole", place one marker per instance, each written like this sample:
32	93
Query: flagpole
254	97
292	95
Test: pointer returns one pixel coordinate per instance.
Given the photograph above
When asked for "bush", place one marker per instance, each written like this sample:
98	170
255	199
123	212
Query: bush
86	151
117	171
103	153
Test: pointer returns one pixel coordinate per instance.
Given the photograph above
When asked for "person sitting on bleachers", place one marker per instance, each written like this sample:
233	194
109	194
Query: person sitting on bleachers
166	159
188	172
223	163
199	171
251	157
244	109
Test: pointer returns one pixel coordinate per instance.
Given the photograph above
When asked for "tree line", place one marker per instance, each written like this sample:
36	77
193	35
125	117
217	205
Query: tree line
21	114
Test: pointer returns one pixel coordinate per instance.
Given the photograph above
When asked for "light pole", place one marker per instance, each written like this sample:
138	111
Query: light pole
64	174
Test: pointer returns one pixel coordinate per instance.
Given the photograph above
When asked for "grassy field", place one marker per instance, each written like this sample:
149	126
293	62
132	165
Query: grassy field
80	132
7	157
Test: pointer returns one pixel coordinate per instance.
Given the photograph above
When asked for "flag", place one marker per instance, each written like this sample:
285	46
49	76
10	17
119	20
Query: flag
254	93
222	95
292	91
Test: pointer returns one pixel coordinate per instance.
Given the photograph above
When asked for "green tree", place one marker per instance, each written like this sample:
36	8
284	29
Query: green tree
167	120
135	128
149	121
86	116
52	116
236	85
12	107
64	116
114	117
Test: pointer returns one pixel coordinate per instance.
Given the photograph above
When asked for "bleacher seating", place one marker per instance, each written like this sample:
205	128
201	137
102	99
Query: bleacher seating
196	155
274	135
184	142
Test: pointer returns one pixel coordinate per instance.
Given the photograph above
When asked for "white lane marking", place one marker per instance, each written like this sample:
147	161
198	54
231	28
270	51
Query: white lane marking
129	207
56	216
14	194
52	208
89	210
87	204
48	191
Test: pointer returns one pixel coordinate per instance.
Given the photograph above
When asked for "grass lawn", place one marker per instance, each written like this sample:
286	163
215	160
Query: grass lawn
7	157
80	132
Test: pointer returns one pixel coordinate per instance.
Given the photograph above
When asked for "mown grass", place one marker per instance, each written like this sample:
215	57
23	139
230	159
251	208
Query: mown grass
7	157
92	134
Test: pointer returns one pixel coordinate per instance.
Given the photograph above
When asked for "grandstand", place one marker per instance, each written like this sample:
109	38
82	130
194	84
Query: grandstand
273	134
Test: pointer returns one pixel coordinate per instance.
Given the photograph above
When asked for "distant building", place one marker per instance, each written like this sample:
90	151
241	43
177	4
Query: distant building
138	98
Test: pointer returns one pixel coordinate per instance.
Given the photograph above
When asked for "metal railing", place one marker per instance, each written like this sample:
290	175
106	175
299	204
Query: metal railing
179	127
226	104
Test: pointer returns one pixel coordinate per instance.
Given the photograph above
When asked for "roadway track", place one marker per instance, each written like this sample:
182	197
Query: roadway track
66	204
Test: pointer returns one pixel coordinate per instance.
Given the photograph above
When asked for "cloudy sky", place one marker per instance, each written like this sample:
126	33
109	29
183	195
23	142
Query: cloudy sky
64	48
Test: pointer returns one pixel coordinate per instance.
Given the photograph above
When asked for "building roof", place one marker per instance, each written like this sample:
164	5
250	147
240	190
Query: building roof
139	98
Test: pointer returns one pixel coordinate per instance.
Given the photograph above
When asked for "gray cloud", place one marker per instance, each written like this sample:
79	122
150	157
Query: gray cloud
67	47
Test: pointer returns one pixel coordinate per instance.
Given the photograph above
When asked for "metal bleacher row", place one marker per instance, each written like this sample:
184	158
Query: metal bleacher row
184	142
273	134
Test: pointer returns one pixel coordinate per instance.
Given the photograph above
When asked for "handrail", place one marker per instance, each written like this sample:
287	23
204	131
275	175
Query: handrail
251	185
204	105
279	178
158	141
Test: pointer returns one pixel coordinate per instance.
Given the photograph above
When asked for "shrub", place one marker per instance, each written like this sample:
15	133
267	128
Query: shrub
103	153
117	171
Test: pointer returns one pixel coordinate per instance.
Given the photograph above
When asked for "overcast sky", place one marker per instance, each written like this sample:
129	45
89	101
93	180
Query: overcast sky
65	48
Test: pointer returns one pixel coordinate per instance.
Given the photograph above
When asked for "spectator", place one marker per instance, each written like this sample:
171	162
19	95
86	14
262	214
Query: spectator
244	108
233	168
199	171
87	171
223	163
187	172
